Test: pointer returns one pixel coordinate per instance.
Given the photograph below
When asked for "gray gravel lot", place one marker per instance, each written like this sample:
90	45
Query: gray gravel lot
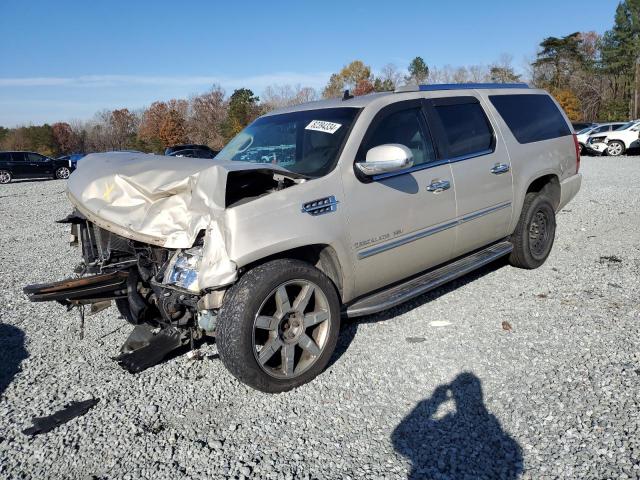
438	385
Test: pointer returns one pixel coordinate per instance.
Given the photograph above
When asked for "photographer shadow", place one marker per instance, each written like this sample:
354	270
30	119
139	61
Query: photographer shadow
451	435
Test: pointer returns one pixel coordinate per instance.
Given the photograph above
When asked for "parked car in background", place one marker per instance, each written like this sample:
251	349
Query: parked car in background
583	135
343	207
194	153
73	158
577	126
191	150
32	165
615	142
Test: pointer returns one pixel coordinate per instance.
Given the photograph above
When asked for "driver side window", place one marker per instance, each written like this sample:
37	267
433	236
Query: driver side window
34	157
404	127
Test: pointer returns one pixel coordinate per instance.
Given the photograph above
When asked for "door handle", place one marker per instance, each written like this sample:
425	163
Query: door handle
499	168
438	186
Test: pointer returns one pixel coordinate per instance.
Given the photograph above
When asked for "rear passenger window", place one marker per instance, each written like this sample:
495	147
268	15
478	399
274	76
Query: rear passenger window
466	128
403	127
5	157
531	118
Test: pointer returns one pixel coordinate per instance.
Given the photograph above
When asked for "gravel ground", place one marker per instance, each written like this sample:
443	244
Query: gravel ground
506	373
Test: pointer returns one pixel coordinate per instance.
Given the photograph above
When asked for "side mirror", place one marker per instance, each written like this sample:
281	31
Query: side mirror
391	157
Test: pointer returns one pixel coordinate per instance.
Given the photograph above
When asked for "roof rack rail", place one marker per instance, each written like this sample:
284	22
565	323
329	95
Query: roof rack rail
457	86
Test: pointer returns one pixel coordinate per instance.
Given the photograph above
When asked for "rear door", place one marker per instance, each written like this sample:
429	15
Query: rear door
18	165
480	166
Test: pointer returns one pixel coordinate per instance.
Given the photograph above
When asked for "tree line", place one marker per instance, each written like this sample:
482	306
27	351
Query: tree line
594	77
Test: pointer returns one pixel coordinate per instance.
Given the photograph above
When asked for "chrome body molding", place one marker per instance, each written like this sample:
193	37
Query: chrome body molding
321	206
437	163
412	237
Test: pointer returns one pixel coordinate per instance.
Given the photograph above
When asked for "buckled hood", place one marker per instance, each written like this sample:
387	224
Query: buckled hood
161	200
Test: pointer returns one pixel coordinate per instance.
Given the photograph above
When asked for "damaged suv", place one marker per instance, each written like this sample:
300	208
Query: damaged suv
331	209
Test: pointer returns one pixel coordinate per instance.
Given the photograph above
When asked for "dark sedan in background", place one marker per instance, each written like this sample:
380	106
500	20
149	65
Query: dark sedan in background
14	165
191	151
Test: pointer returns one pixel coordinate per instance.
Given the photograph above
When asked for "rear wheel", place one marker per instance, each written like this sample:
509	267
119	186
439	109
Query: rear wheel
615	148
534	235
5	177
63	173
278	326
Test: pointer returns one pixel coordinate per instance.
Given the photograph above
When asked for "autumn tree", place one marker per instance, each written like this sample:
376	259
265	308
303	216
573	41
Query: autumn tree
569	103
64	137
208	112
123	126
173	129
152	120
348	78
243	108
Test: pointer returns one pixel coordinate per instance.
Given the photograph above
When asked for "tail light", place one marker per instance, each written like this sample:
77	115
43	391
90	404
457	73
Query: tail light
577	145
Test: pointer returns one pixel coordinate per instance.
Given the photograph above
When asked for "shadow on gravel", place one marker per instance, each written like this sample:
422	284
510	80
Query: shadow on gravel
12	352
452	435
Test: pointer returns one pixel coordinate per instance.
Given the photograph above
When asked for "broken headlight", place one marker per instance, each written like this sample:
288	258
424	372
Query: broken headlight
183	269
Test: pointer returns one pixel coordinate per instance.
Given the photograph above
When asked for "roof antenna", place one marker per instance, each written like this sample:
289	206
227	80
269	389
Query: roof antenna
347	95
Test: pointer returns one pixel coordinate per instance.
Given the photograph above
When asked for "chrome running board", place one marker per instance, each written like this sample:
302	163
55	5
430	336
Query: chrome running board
382	300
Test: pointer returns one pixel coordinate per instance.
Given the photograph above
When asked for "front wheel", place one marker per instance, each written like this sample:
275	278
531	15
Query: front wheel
534	235
615	148
278	326
63	173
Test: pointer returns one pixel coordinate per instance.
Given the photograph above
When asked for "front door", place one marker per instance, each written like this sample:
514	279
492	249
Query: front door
400	223
39	165
481	170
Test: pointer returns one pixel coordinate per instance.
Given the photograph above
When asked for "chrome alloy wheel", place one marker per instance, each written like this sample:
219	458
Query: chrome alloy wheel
614	149
289	337
63	173
5	177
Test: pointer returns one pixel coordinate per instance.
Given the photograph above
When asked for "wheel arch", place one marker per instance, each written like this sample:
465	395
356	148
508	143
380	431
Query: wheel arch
322	256
549	184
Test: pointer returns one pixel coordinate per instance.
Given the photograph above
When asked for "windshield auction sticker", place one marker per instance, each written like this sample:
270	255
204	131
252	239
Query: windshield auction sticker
322	126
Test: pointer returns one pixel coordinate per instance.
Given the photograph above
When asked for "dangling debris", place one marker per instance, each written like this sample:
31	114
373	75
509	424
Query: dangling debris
71	411
145	348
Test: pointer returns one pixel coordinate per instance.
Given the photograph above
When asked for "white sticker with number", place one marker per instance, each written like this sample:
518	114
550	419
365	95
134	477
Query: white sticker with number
322	126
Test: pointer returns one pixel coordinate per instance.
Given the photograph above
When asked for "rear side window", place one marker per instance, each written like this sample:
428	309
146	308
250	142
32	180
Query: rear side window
5	157
466	128
531	118
17	156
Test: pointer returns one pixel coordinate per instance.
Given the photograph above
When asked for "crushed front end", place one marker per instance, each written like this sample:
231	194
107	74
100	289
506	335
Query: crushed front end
154	288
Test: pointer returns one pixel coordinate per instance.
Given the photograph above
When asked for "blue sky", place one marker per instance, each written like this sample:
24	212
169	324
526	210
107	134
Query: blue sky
65	60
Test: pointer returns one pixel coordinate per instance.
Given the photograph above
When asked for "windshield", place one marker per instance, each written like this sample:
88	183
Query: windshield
306	142
585	130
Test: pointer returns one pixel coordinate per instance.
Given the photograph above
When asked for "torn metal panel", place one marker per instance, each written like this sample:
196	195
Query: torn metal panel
145	348
80	290
71	411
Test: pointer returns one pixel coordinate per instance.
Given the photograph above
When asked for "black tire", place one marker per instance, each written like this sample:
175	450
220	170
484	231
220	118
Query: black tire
618	148
63	173
535	232
238	318
5	177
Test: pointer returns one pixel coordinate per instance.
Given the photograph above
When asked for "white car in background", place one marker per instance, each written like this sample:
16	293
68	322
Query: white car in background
616	142
585	133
